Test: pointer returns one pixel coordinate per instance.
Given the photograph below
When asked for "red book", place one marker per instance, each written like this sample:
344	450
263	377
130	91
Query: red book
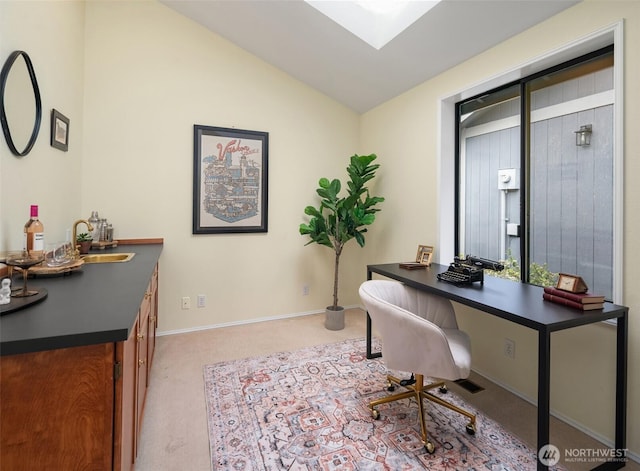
582	298
568	302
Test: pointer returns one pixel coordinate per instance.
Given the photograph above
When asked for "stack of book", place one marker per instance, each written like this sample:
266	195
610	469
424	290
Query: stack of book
583	301
412	265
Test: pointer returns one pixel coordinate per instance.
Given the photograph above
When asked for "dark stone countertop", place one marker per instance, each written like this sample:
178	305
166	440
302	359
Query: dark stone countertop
96	304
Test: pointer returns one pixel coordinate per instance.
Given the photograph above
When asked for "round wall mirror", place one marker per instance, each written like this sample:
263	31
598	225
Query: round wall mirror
20	104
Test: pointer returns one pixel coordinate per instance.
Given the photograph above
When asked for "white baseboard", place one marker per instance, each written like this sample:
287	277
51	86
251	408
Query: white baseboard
245	322
558	415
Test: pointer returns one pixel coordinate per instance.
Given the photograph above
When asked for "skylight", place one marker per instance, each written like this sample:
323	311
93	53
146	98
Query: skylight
374	21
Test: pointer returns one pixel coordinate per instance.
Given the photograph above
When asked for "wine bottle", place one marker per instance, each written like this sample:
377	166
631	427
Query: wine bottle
34	233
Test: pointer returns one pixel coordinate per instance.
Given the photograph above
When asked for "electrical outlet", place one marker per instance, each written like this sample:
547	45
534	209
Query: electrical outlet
186	302
202	300
510	348
305	290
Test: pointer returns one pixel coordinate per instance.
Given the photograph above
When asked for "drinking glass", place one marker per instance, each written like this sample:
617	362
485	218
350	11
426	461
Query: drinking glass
23	260
57	254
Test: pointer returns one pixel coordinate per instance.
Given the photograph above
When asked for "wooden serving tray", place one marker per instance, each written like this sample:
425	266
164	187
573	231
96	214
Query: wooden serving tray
45	270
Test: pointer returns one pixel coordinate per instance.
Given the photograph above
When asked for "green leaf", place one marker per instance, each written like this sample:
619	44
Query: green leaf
311	211
368	219
304	229
339	219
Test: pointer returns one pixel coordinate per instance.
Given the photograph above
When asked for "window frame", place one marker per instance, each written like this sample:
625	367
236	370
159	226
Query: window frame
448	137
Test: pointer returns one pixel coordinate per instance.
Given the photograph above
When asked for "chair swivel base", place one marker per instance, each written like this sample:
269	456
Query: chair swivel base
418	390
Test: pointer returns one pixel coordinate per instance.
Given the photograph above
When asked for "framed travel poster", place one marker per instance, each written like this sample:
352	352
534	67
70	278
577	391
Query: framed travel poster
230	180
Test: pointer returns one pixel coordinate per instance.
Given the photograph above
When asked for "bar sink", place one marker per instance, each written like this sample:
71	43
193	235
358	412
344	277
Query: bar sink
107	257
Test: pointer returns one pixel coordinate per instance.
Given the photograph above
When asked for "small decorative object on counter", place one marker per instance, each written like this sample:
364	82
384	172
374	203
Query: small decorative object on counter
94	220
103	233
5	291
84	241
103	229
109	233
34	233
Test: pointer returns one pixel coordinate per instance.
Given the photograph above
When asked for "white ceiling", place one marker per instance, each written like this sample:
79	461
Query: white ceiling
298	39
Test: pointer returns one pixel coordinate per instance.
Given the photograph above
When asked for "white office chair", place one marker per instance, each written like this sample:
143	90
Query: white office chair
420	335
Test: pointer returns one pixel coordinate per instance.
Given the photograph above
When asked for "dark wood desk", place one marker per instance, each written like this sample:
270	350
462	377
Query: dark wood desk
523	304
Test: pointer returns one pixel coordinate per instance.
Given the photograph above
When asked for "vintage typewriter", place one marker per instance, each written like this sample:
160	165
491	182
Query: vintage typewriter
468	270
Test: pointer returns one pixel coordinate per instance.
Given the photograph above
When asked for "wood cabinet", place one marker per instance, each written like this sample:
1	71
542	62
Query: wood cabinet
141	366
79	407
57	409
124	423
136	358
153	314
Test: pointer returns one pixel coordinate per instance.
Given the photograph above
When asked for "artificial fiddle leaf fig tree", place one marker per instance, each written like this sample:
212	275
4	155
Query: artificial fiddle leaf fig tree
342	218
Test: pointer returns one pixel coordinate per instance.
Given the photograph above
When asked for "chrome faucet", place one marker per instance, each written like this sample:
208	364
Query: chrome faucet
74	236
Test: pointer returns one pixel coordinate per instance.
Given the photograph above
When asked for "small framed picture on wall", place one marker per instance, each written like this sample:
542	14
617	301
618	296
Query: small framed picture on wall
59	131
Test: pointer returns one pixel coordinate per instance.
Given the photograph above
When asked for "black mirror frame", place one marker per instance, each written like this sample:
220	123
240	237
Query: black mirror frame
36	91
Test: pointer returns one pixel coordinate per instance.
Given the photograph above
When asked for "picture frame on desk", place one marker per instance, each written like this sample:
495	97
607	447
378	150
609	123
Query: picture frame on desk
424	255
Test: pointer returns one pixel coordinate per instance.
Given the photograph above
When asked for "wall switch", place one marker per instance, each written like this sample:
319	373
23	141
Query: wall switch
202	300
186	302
510	348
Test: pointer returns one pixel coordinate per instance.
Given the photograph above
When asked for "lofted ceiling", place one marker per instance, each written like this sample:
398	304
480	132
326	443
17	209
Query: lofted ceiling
298	39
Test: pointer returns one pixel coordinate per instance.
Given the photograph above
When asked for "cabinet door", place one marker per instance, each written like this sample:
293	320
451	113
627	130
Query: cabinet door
125	408
153	317
57	409
141	370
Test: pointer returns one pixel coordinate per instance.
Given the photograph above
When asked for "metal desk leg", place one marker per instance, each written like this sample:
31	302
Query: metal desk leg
369	334
620	458
544	374
370	355
621	385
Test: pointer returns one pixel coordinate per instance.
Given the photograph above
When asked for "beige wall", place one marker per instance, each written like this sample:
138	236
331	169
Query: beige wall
150	76
134	78
406	131
50	33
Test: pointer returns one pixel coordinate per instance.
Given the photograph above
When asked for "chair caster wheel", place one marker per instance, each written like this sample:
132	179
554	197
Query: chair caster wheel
429	447
471	429
443	389
375	414
391	387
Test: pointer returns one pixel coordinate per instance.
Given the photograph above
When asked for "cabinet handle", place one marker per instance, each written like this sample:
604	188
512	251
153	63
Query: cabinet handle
147	295
141	362
140	336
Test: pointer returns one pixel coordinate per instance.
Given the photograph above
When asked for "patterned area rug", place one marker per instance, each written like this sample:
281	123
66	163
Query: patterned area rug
308	410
